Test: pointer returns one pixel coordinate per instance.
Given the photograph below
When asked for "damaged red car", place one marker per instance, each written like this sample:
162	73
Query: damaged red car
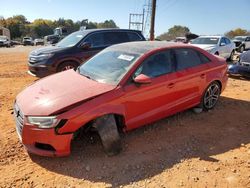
121	88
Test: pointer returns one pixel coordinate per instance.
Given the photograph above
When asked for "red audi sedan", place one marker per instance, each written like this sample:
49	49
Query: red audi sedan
123	87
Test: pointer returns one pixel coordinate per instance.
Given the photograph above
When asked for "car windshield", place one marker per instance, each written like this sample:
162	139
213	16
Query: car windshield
240	38
71	40
205	40
108	66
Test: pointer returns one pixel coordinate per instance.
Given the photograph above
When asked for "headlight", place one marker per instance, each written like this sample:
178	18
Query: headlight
43	122
41	57
44	56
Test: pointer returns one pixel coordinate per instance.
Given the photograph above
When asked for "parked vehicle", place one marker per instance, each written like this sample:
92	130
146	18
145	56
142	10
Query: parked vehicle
4	37
4	41
121	88
181	39
28	41
38	41
242	43
15	42
217	45
59	34
76	48
242	67
5	32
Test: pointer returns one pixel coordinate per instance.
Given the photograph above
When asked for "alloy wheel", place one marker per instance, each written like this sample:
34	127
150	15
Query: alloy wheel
67	67
211	96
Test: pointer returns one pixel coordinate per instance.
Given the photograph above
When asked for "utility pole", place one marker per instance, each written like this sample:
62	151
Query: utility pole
136	21
152	27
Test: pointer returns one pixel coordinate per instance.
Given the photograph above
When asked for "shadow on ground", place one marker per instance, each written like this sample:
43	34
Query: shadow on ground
152	149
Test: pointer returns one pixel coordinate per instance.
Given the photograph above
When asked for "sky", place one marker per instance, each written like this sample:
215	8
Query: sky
200	16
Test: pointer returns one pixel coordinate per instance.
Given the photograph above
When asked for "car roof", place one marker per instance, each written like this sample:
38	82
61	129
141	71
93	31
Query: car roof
143	47
243	36
105	29
210	36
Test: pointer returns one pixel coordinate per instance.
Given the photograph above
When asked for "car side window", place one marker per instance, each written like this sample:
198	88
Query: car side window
222	41
187	58
111	38
96	40
157	64
133	36
227	41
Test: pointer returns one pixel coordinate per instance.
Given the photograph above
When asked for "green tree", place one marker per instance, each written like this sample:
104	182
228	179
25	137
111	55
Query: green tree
173	32
107	24
236	32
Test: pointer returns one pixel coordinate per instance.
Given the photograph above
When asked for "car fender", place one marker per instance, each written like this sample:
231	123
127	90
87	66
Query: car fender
89	111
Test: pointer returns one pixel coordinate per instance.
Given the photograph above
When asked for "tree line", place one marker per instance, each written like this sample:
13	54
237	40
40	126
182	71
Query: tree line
182	31
20	27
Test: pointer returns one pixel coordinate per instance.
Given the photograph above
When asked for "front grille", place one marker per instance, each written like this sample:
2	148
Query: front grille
19	117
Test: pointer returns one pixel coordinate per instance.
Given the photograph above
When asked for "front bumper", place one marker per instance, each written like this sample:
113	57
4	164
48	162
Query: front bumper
40	69
44	142
239	70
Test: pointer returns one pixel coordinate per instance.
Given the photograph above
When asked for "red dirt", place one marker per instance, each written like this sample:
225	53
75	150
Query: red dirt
210	149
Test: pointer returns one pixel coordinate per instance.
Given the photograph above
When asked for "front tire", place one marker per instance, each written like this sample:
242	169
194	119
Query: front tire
108	132
211	96
67	66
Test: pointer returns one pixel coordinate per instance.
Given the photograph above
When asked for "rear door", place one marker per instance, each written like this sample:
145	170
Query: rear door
191	71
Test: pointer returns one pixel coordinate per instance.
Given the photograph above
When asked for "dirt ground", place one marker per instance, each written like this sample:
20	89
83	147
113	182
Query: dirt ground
210	149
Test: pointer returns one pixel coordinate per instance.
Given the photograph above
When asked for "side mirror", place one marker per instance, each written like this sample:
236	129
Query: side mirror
142	79
222	44
85	45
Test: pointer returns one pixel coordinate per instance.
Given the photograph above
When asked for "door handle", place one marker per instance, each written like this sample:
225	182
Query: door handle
202	76
171	85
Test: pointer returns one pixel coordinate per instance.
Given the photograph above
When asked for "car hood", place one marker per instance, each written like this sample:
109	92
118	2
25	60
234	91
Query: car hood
235	40
205	46
44	50
58	91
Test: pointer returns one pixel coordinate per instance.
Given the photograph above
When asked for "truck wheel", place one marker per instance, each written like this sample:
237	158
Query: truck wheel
108	132
66	66
211	96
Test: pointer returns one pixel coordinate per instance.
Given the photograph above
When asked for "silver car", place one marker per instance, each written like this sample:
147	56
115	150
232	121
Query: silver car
217	45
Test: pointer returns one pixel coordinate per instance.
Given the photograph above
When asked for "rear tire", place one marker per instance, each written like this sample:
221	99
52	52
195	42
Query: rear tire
211	96
67	65
108	132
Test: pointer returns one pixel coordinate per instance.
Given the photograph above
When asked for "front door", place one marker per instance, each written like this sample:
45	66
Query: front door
148	102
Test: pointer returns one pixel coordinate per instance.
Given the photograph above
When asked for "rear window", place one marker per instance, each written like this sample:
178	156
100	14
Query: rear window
134	36
111	38
187	58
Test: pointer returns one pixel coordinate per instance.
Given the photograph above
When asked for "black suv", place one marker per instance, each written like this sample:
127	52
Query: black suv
76	48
